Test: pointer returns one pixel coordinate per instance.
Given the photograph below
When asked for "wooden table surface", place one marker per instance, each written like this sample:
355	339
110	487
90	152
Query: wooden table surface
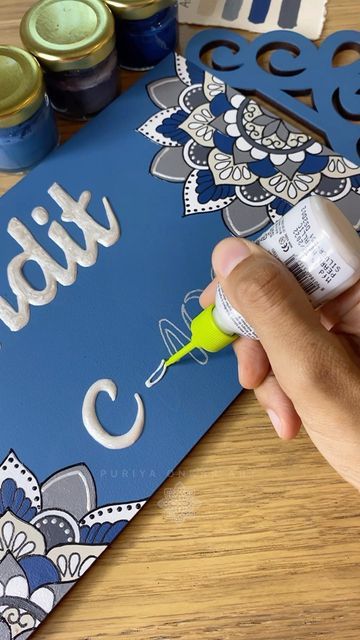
260	538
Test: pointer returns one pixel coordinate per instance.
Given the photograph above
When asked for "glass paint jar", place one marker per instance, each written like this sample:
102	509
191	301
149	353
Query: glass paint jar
74	41
28	129
146	31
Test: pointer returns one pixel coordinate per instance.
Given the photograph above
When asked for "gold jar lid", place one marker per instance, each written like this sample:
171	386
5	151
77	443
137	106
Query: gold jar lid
21	86
69	34
138	9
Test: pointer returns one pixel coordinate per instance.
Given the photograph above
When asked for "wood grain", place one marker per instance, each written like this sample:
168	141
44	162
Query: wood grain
272	548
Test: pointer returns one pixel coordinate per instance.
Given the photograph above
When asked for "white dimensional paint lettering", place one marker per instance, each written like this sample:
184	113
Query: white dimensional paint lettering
95	428
54	273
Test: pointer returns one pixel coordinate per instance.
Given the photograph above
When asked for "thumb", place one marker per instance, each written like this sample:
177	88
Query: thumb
300	350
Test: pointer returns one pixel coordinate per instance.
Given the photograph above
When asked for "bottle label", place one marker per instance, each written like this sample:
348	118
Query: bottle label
300	243
302	246
231	320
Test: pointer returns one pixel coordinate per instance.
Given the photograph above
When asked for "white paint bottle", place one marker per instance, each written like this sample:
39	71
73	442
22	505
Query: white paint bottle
316	242
318	245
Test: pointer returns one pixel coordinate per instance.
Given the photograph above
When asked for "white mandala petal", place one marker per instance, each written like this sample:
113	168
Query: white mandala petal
243	145
44	598
237	100
258	154
315	148
230	117
17	587
278	159
299	156
71	558
233	130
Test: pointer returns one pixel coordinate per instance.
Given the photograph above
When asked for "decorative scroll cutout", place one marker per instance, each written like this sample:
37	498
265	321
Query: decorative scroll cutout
297	68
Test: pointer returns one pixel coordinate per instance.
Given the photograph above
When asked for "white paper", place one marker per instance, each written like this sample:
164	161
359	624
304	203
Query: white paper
303	16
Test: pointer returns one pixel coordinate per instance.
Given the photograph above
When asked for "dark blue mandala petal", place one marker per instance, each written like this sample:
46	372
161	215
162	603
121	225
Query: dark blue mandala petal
170	127
207	190
101	533
39	571
84	530
263	168
114	531
13	498
88	534
313	164
223	142
355	181
220	104
281	206
195	73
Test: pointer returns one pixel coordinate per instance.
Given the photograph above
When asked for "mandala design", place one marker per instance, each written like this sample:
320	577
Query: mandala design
50	534
237	158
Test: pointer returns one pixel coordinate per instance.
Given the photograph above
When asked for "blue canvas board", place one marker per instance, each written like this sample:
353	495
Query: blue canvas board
180	171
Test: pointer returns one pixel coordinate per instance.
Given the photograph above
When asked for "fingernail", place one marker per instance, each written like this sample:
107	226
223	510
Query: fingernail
276	422
232	254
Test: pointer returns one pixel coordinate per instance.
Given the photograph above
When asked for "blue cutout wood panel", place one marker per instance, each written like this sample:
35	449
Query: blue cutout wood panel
298	68
181	160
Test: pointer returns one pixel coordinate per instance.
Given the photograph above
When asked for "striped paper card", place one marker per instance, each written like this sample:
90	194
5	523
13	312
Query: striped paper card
304	16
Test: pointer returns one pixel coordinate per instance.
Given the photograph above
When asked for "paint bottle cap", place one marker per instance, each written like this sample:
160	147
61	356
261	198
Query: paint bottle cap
205	334
69	34
22	86
138	9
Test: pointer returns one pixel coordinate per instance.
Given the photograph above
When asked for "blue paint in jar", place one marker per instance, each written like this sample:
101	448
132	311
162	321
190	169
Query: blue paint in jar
74	42
28	130
26	144
145	34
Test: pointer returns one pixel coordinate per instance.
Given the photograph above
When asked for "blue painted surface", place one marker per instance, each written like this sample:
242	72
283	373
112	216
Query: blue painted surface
259	10
106	324
298	67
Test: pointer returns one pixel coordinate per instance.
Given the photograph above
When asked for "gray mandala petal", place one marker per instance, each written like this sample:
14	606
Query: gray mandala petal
263	120
9	568
4	631
254	193
166	92
242	156
282	131
57	527
219	124
243	219
169	164
331	187
194	97
197	155
289	168
60	590
230	93
71	490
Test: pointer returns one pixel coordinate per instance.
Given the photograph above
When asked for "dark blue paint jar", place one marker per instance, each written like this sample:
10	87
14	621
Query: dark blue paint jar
74	42
146	31
28	129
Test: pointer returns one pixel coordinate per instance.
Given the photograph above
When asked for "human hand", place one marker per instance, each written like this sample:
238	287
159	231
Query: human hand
305	369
